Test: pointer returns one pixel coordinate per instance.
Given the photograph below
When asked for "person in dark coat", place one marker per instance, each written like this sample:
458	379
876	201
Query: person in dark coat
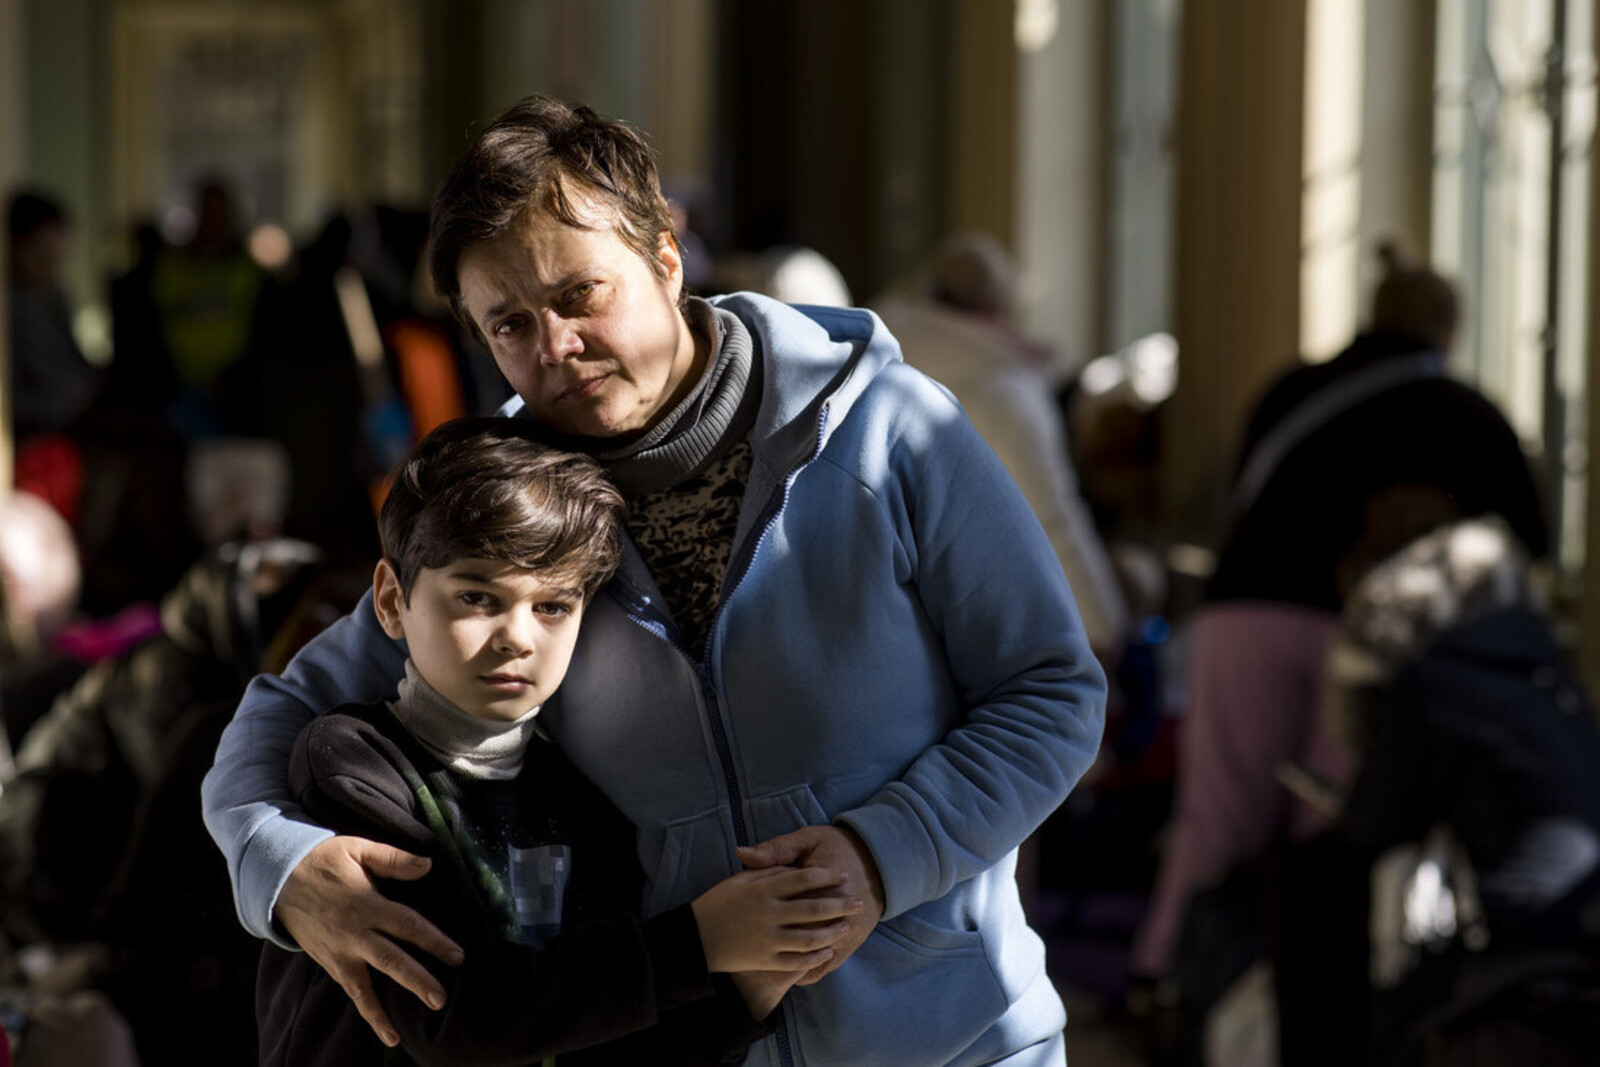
1465	719
1340	460
102	807
51	383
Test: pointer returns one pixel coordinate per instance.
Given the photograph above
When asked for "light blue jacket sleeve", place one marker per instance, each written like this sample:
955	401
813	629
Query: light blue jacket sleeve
245	795
1018	657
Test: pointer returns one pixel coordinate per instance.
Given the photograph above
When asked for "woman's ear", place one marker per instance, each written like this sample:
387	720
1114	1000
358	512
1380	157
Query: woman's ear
671	258
387	599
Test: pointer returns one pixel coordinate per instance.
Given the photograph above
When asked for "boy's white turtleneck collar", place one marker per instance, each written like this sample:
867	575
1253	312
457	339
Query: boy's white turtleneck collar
468	745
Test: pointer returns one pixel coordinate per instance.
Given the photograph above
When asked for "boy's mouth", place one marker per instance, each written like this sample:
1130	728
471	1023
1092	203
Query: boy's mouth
505	681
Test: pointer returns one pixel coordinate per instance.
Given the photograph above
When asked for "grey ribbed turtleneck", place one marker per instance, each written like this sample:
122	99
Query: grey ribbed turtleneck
717	413
468	745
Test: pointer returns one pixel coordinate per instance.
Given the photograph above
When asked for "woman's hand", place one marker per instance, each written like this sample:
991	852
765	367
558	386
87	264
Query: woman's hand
333	911
836	848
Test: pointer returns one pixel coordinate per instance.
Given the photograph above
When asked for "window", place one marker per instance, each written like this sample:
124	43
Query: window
1514	107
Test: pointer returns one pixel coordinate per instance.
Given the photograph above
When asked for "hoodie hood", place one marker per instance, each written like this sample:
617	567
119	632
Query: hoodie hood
812	356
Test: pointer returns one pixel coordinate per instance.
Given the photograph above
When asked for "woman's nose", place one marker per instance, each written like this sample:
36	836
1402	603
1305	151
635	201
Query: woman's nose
558	341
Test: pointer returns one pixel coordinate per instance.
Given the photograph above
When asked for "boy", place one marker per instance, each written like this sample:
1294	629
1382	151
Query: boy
493	546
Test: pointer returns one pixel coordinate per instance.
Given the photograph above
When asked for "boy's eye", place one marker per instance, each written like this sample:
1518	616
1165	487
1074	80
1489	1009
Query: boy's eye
554	609
474	599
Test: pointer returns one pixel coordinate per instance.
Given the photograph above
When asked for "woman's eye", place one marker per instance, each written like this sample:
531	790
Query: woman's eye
508	327
578	292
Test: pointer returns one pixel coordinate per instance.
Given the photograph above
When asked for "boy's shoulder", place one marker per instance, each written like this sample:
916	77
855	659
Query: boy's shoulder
355	770
355	717
352	731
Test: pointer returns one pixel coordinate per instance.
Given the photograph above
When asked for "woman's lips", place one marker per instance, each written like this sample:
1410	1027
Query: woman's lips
582	389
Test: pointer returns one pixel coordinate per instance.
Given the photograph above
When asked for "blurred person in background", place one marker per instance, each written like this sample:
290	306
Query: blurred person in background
105	870
51	382
317	389
1473	743
1338	459
698	264
205	294
41	580
793	274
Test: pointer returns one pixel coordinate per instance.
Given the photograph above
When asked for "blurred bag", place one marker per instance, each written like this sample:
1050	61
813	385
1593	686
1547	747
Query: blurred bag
1424	900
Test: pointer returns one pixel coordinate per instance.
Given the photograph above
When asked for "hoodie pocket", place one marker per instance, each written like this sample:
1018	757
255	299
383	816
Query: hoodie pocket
924	977
929	941
775	814
931	987
696	853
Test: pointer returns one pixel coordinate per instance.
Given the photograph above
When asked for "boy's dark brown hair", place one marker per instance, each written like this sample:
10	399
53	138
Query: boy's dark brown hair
541	155
482	488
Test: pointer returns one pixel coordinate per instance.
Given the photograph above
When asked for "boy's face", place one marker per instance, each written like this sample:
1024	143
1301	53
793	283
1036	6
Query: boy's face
493	638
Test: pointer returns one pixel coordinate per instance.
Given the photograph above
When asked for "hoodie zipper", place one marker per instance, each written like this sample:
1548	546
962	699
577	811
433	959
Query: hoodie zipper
741	568
702	667
719	730
636	609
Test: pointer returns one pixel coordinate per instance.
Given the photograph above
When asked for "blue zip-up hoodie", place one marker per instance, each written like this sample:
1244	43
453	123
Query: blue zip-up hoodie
896	650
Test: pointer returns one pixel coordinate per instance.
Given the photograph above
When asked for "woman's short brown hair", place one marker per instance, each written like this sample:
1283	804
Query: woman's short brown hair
539	155
482	488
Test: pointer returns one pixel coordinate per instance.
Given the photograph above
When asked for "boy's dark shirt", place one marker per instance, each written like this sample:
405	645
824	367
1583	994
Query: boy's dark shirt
609	976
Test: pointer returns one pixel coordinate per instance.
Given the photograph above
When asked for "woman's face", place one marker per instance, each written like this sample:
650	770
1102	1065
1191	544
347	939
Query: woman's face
586	332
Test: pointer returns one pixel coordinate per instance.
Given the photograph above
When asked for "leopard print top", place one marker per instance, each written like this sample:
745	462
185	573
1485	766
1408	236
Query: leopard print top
685	535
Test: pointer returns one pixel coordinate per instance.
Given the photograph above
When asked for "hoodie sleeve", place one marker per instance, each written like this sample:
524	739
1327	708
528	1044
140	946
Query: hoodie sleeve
1000	605
247	805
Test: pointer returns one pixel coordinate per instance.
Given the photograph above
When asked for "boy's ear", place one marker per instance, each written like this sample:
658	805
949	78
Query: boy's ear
387	599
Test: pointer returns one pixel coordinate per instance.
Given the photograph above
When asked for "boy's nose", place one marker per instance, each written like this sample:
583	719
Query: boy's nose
515	637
